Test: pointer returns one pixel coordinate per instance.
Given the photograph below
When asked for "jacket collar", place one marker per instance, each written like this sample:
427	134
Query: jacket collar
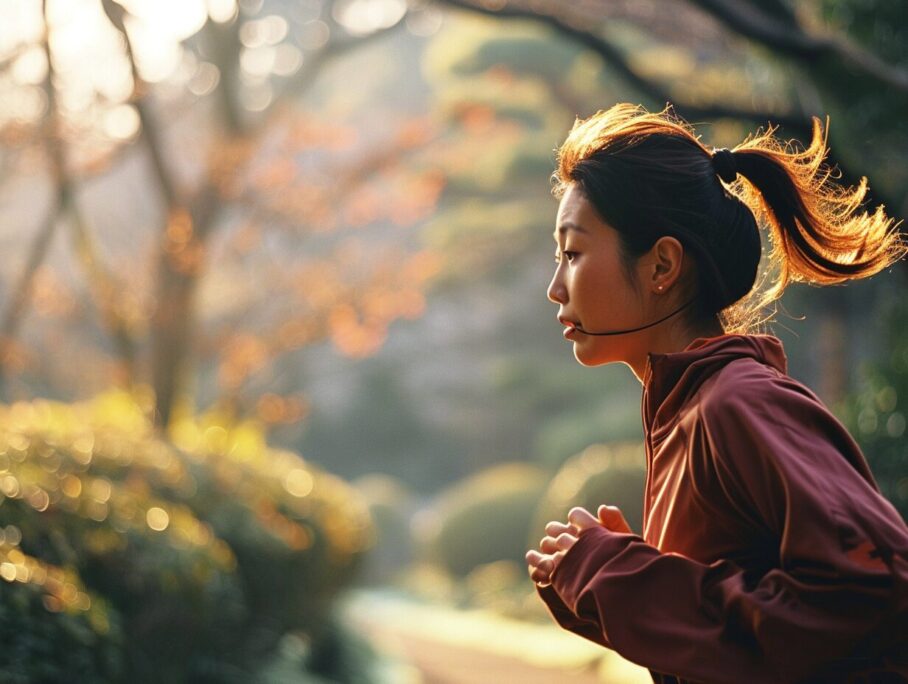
669	379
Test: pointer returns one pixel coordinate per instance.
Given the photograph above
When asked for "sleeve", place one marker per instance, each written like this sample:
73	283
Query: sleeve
837	600
588	629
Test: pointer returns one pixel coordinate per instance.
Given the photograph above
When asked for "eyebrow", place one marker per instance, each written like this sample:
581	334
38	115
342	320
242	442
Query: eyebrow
566	226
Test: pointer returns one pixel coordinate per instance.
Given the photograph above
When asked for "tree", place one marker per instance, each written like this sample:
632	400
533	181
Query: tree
265	169
836	52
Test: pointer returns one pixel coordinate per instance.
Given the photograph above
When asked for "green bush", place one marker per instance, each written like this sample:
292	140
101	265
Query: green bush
483	518
50	626
612	474
876	413
207	550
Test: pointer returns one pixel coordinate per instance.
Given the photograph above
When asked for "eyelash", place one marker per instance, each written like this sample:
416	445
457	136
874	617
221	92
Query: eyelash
569	254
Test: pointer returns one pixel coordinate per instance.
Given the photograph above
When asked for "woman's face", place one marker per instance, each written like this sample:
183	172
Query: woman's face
590	285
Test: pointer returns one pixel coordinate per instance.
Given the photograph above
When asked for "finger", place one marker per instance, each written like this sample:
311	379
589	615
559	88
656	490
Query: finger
533	557
542	571
582	519
548	544
543	575
540	579
564	541
557	557
554	528
538	559
613	519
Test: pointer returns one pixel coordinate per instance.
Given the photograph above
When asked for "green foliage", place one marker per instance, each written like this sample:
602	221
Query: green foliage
483	518
206	553
381	423
477	233
876	412
340	654
612	474
50	626
871	136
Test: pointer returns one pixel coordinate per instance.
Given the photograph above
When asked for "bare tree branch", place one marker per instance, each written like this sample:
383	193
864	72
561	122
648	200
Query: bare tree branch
617	61
174	318
800	125
789	38
116	13
14	313
64	204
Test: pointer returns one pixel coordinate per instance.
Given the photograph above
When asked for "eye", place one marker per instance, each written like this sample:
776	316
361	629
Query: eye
567	254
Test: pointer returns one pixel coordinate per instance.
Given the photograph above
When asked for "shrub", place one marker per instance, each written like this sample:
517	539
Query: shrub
876	412
207	552
483	518
612	474
51	627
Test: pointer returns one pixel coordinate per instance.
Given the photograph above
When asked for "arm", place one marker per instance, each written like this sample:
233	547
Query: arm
558	540
588	629
842	581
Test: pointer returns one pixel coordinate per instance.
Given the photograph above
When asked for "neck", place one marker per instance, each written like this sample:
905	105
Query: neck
668	339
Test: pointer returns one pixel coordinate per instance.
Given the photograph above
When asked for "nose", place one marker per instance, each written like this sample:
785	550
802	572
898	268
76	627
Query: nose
557	292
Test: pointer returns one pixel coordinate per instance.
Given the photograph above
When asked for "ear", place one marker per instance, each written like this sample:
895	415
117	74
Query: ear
664	264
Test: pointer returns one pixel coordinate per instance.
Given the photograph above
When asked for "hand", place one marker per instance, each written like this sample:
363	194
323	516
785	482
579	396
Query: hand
612	519
560	537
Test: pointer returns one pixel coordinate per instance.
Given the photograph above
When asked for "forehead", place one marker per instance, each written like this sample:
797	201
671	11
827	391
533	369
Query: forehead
575	213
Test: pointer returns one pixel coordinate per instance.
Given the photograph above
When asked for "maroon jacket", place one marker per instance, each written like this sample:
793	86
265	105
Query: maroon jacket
768	553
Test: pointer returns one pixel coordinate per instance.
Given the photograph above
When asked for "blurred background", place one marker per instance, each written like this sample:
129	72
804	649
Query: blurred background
283	399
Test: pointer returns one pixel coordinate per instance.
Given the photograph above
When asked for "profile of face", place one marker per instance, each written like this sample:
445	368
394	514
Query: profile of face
592	289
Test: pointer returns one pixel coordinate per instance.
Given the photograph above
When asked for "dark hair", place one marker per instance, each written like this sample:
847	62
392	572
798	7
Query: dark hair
648	175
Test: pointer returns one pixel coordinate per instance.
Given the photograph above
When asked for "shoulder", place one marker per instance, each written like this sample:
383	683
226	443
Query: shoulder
753	416
747	390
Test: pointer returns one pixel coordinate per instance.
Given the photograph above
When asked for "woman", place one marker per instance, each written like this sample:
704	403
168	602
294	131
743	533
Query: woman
767	552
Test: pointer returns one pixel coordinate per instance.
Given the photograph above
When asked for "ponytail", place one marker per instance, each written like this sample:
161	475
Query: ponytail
817	231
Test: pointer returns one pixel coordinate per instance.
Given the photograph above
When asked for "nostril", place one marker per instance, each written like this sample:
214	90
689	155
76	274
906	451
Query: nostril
555	294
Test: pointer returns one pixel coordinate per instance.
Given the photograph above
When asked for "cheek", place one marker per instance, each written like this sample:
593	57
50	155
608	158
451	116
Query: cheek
599	283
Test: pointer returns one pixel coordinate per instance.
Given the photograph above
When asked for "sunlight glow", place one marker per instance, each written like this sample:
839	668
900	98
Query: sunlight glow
22	24
169	20
361	17
298	482
205	79
121	122
269	30
258	61
157	519
287	59
222	11
314	34
157	56
30	67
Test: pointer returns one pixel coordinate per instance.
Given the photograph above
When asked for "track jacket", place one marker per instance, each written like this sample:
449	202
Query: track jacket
768	553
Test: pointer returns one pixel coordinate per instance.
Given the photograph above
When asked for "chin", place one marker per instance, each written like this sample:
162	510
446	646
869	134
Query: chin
590	360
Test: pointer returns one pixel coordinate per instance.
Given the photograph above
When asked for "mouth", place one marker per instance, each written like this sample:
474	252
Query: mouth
570	327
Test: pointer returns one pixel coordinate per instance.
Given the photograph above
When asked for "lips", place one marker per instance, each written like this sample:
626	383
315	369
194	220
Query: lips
570	327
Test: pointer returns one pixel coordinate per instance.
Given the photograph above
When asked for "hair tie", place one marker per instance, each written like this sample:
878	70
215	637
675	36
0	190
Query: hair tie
724	164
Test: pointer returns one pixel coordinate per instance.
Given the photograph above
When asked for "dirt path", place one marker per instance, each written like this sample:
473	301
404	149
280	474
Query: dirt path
436	644
441	663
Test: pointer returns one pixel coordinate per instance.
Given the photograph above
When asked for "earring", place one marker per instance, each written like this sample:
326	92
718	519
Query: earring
659	288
